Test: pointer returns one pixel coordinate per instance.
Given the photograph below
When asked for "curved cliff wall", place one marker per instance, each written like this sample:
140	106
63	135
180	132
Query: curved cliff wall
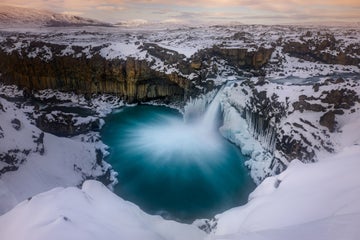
131	79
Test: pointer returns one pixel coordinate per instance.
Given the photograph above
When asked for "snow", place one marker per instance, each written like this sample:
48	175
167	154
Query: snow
19	17
92	212
307	201
120	50
64	162
314	200
124	42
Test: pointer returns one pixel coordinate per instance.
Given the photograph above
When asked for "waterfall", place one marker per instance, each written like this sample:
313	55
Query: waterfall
195	108
204	110
210	117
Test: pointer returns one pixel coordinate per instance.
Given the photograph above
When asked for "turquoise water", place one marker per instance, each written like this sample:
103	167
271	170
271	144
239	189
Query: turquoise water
182	172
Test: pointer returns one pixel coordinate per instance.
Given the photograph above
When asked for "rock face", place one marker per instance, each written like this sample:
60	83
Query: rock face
323	50
328	120
64	125
293	122
131	79
238	57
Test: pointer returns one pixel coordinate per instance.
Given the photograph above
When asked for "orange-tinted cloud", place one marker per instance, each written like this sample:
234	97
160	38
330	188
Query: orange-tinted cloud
203	9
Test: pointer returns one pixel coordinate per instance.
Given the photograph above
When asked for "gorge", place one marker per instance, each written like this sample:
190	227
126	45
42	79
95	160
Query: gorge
224	128
169	168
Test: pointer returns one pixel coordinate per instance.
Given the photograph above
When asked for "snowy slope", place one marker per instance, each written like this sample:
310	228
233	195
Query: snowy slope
307	201
27	17
90	213
32	161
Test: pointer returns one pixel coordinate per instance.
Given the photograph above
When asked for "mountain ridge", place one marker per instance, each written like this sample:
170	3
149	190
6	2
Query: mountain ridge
28	17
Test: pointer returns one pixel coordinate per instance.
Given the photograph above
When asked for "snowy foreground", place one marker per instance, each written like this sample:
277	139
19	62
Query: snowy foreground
36	161
307	201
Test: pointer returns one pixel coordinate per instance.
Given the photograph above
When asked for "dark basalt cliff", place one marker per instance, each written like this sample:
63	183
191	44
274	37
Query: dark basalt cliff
131	79
298	126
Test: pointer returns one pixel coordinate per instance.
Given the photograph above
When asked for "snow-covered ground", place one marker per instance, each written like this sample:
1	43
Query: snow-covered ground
122	43
307	201
39	161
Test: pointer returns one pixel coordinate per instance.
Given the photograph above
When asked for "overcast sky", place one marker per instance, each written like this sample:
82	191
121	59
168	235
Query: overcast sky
245	11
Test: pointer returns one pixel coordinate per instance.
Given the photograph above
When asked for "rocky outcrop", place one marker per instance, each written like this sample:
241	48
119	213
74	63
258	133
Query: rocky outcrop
65	124
323	49
131	79
12	159
303	104
295	149
237	57
16	124
295	127
328	120
341	98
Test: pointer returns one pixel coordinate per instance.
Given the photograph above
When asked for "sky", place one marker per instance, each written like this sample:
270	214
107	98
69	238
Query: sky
193	11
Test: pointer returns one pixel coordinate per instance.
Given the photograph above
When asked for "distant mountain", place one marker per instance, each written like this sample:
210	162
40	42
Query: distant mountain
28	17
132	23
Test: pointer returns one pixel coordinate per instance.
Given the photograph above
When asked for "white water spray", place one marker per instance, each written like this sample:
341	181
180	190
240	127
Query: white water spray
169	137
211	115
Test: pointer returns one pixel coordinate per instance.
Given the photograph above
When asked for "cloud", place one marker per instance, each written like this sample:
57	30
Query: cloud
73	13
110	8
161	10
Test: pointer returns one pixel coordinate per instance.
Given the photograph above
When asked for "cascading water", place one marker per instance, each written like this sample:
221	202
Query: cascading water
181	171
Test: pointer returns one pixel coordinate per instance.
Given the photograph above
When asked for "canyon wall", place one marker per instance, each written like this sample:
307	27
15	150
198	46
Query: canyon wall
160	74
131	79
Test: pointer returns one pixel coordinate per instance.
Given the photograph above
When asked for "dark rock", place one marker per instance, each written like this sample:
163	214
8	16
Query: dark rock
1	133
237	57
105	178
131	79
308	123
328	120
295	149
341	98
16	124
208	225
313	50
277	183
339	112
40	148
316	87
27	93
2	107
304	105
99	157
299	126
12	159
64	125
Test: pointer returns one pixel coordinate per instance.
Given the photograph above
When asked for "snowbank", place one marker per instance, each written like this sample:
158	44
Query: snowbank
307	201
92	212
32	161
